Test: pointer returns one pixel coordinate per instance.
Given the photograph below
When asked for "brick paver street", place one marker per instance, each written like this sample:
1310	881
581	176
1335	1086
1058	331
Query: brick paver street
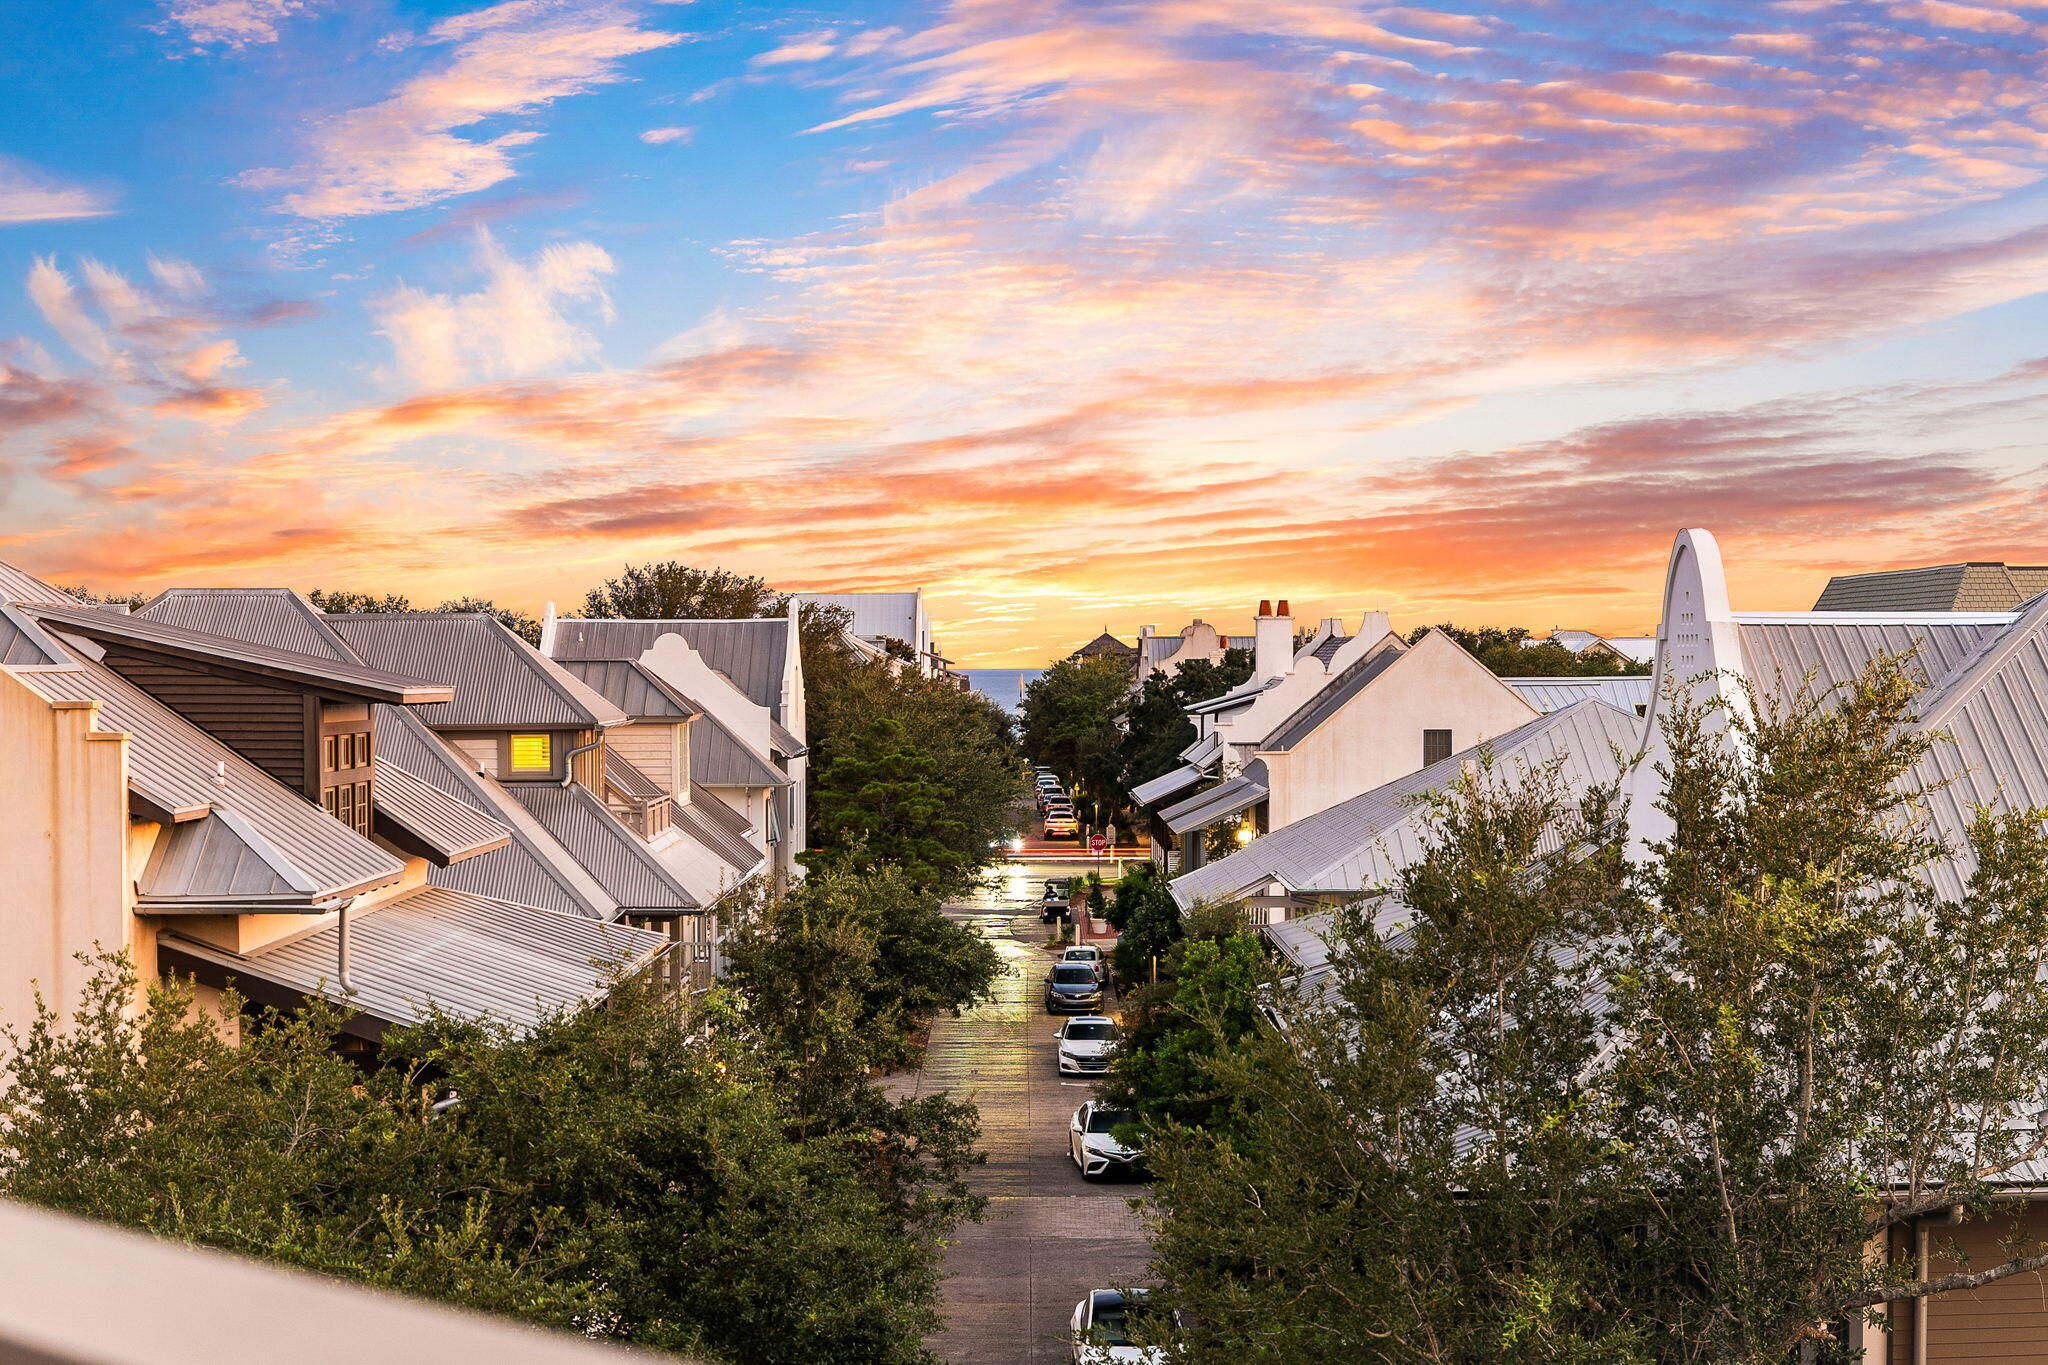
1049	1236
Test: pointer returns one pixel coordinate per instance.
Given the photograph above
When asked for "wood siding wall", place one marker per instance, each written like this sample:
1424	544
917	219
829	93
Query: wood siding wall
269	726
652	749
2004	1323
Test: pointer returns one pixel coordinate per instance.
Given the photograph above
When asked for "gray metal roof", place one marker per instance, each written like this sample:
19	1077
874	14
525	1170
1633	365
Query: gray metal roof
785	744
1166	784
502	682
1627	691
875	614
1221	801
719	828
633	688
1334	695
619	859
22	641
19	585
1362	842
277	617
1977	586
629	781
752	653
176	766
1778	652
218	860
452	828
719	758
316	672
532	869
1304	940
468	955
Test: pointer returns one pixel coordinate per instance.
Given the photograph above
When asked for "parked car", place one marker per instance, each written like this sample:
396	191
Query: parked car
1062	826
1092	1143
1105	1323
1072	988
1085	1045
1090	954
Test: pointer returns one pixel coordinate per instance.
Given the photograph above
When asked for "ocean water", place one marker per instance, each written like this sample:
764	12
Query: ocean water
1003	686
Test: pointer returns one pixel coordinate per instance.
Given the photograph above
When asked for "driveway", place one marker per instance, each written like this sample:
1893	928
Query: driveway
1049	1237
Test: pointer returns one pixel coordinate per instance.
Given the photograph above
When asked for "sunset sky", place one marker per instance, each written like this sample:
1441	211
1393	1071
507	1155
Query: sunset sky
1076	314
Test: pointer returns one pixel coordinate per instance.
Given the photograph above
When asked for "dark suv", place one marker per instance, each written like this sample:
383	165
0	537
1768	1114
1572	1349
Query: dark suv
1072	988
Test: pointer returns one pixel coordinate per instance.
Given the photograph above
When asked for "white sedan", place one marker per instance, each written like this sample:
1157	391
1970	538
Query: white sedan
1086	1042
1103	1324
1092	1143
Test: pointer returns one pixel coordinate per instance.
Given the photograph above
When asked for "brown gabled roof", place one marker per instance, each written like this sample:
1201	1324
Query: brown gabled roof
502	682
311	672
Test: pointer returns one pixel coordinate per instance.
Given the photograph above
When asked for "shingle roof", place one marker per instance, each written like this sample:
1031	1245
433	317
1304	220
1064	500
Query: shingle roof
532	869
1361	842
277	617
1221	801
1627	691
1333	696
177	767
468	955
620	861
1977	586
632	688
719	758
452	828
501	680
321	672
751	653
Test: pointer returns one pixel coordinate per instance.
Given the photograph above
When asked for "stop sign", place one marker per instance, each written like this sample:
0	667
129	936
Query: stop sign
1098	842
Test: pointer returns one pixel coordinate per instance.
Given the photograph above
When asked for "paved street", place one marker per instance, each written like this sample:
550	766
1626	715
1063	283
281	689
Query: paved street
1049	1236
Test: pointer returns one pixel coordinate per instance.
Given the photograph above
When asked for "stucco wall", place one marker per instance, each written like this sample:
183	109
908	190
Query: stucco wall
64	844
1377	736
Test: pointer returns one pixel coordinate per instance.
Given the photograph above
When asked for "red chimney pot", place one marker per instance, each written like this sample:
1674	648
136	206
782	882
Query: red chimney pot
1283	606
1265	606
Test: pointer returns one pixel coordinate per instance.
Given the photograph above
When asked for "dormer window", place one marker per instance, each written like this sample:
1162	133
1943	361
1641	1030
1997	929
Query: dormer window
531	754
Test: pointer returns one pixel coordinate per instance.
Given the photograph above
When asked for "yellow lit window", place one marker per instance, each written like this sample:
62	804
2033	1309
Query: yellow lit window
532	752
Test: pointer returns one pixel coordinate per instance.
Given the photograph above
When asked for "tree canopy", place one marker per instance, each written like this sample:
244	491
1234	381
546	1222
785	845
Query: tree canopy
1502	649
1573	1107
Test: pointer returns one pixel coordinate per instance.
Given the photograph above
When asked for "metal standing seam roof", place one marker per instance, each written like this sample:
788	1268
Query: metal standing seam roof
785	744
277	617
893	614
468	955
1166	784
619	859
319	672
1359	843
532	869
1778	652
710	822
19	585
502	682
176	766
752	653
1627	691
720	758
629	781
22	641
453	829
1333	696
1220	802
633	688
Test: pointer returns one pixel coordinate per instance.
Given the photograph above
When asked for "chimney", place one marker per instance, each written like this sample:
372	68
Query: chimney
1373	625
1272	641
1147	632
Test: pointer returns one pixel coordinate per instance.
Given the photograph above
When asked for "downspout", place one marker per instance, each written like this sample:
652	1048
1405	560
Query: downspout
569	759
341	952
1925	1301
